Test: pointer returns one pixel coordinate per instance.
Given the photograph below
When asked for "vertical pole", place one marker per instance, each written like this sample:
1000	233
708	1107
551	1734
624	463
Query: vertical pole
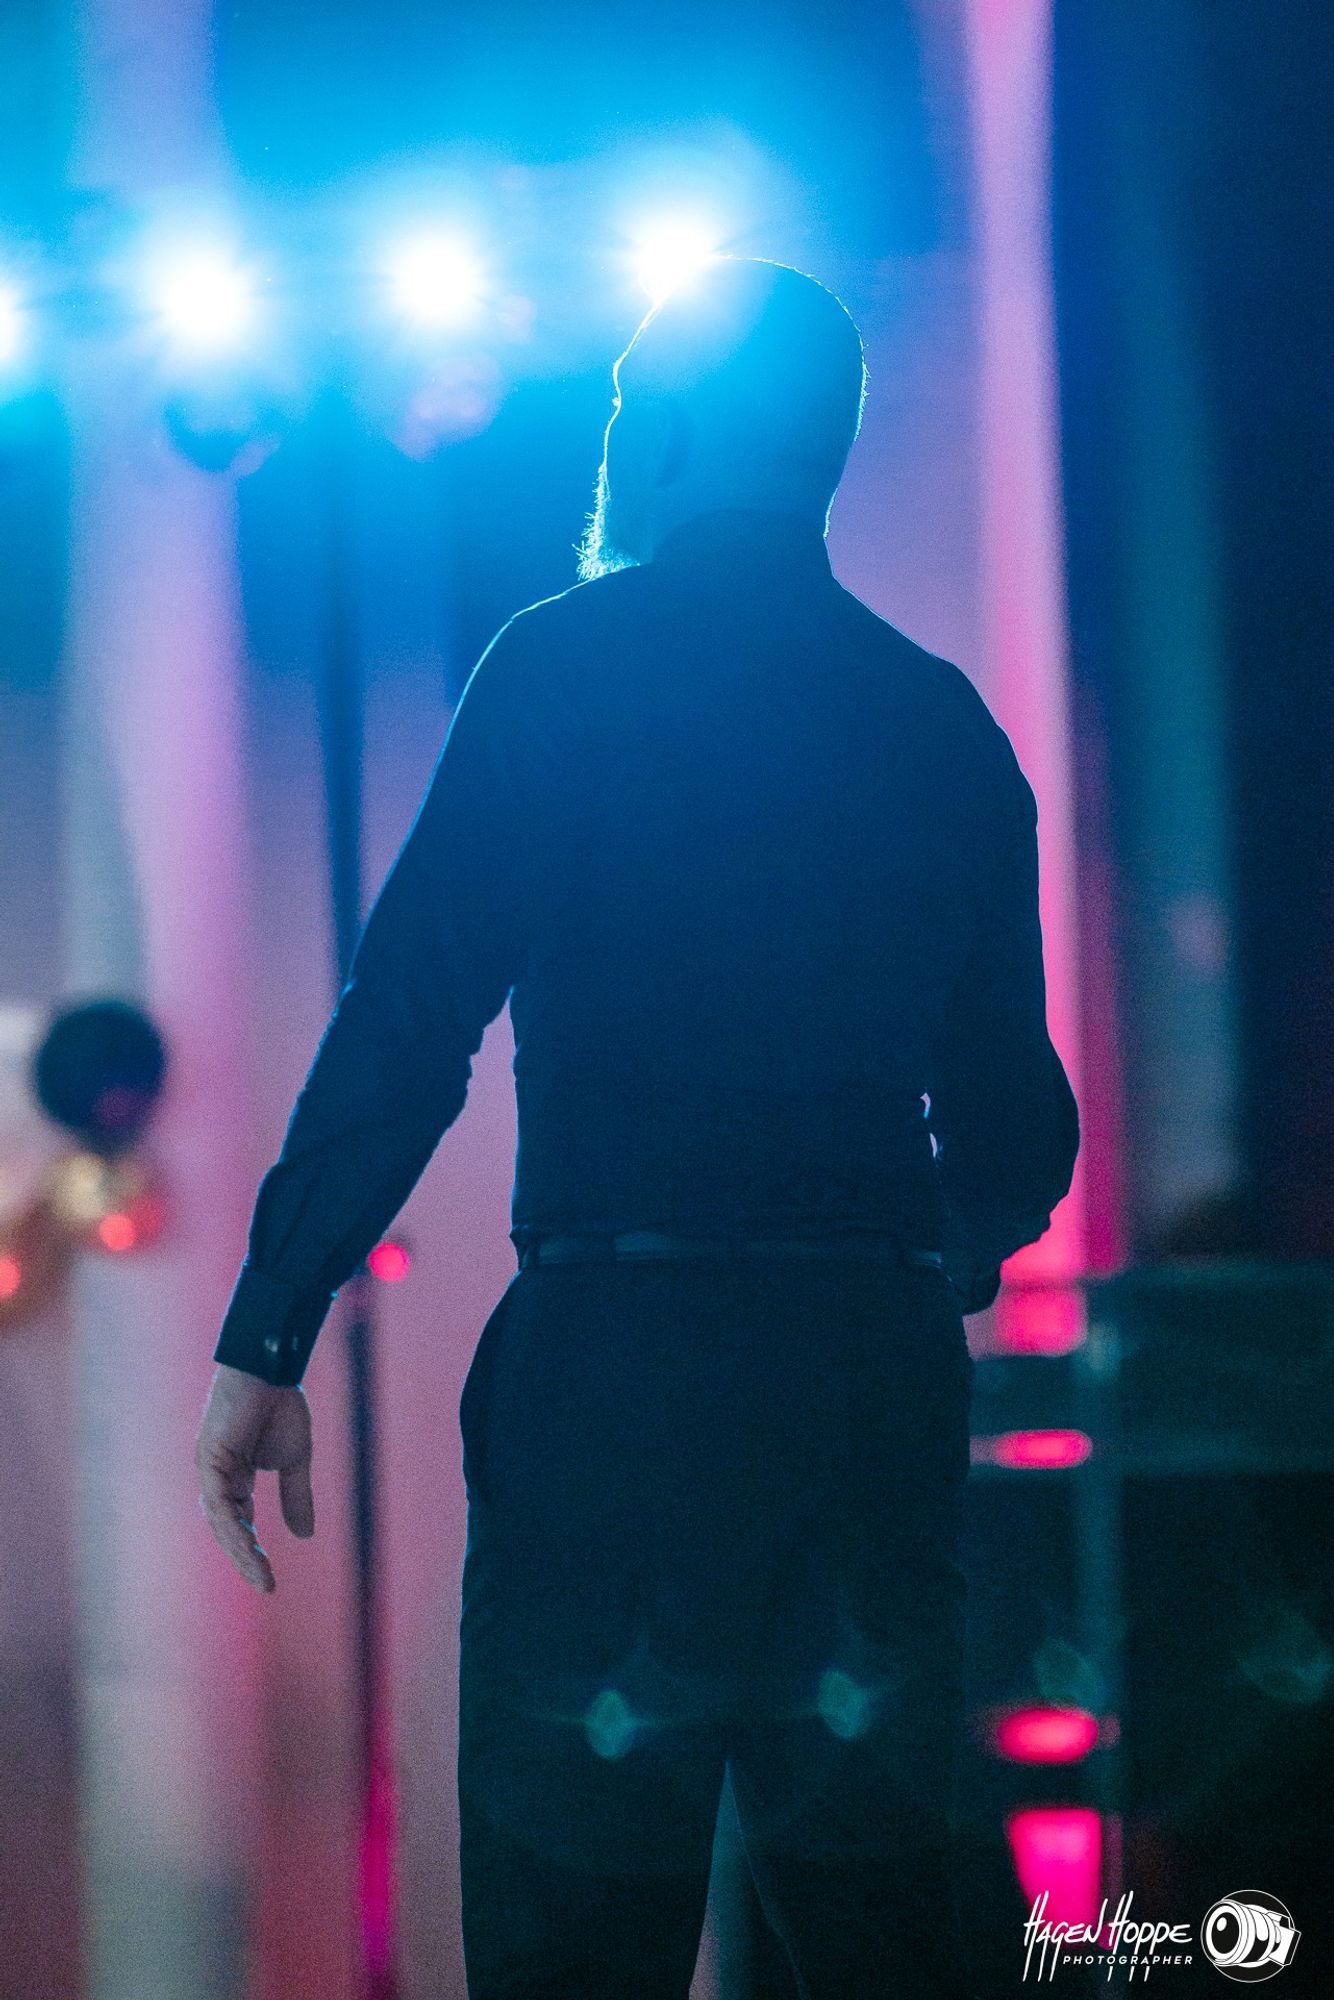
154	910
1099	1501
342	730
1181	998
1026	646
1027	668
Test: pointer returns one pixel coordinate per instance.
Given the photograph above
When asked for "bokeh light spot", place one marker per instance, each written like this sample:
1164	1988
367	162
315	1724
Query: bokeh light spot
610	1724
1046	1735
845	1707
117	1232
389	1262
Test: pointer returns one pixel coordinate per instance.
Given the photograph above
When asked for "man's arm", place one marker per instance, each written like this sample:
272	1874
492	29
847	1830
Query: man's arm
1003	1115
437	957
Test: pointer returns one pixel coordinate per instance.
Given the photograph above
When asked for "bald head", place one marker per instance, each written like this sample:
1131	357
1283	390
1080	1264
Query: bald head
742	389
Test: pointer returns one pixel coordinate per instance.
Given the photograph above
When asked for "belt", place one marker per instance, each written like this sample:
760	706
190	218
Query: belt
648	1244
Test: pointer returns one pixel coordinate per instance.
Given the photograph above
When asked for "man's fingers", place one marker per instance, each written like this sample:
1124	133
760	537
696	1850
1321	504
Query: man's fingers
298	1498
228	1454
238	1541
225	1490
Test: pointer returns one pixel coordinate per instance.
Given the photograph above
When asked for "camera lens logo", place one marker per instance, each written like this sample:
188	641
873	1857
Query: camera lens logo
1249	1935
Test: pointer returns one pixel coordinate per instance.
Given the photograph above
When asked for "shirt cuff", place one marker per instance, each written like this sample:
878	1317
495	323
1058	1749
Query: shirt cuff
270	1327
973	1252
977	1292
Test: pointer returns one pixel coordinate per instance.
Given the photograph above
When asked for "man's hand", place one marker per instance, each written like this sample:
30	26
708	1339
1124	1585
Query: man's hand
250	1426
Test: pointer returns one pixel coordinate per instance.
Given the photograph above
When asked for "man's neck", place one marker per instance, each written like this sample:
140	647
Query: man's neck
744	512
777	539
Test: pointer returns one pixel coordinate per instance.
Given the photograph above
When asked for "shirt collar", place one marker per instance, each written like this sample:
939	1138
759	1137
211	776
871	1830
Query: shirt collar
732	536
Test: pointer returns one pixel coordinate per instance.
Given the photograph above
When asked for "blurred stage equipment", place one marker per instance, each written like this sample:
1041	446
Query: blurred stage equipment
1151	1621
341	699
98	1072
1152	1615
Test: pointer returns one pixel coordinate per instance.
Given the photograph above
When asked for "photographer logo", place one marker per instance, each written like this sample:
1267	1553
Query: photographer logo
1249	1936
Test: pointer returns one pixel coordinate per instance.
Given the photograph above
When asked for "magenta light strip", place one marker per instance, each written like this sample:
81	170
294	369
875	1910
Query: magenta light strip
1023	583
1057	1853
1045	1735
1033	1451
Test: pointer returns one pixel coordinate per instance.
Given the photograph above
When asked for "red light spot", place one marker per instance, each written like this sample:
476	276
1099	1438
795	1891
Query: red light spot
116	1232
390	1263
1039	1318
1046	1735
1040	1450
1058	1852
11	1275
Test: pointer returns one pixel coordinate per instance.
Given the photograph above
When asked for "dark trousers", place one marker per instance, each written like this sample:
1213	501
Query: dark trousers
714	1512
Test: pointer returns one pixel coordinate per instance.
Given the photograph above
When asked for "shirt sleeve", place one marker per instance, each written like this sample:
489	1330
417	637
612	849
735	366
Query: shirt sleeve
434	965
1003	1114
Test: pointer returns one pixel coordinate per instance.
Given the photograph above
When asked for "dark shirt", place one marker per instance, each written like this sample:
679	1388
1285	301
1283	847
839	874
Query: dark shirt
759	879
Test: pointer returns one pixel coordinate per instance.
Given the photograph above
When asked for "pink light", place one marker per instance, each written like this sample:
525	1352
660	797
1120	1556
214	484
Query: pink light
378	1866
1040	1451
11	1275
1026	676
1046	1735
390	1263
1057	1851
1038	1318
117	1232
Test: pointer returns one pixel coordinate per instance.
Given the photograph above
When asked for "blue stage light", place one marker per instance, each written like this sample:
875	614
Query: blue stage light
205	299
12	329
435	280
668	254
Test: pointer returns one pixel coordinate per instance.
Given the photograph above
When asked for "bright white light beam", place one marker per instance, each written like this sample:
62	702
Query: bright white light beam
204	300
435	281
11	324
669	254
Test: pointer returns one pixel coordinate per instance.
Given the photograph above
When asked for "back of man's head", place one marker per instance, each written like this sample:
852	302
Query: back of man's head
765	367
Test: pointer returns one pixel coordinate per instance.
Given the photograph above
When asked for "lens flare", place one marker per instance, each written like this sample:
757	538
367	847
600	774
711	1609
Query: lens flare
435	281
204	300
669	254
11	325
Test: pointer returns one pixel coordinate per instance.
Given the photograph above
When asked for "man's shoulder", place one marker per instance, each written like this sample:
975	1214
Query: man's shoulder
540	663
938	680
583	607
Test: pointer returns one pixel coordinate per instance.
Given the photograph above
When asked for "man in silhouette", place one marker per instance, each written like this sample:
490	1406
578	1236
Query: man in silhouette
758	877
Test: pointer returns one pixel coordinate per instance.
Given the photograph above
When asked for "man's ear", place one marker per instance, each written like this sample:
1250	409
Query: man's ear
672	436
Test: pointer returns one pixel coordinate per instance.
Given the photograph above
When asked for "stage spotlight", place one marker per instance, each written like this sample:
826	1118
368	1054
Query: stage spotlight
669	254
11	325
204	300
99	1071
435	281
